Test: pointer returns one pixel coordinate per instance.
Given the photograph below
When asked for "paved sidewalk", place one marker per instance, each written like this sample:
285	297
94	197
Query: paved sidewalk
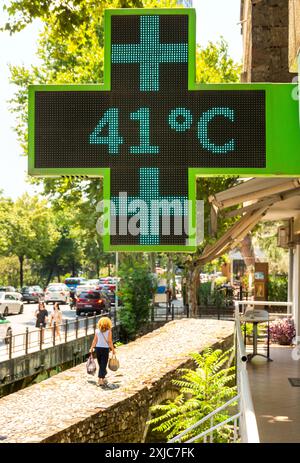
42	410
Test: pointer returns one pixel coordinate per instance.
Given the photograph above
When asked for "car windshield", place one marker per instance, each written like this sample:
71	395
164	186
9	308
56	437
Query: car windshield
91	295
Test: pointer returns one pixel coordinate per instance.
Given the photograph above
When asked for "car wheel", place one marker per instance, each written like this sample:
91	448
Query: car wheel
8	333
21	310
5	313
78	313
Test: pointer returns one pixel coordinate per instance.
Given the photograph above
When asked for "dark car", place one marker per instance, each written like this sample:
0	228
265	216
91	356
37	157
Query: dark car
90	301
32	293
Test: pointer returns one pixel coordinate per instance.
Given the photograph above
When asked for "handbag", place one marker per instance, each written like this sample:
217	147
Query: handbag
113	363
91	365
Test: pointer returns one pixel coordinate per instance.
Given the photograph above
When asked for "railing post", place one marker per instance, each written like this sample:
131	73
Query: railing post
66	331
86	324
167	311
172	311
41	333
54	333
76	327
115	316
187	310
10	342
152	313
212	433
26	340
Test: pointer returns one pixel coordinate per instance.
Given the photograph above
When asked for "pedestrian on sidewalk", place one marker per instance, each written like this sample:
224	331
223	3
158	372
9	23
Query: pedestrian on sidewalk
56	317
103	343
41	315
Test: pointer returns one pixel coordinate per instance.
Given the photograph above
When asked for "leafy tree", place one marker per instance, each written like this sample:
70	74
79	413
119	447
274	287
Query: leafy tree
30	230
265	237
136	293
71	51
201	392
9	271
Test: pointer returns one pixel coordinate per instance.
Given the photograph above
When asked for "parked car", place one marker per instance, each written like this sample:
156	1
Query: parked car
94	283
81	288
11	303
57	292
90	301
7	289
32	293
5	329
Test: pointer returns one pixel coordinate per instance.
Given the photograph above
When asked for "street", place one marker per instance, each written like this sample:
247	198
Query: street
27	319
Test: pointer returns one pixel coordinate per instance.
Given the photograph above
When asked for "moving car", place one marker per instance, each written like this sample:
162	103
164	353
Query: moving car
5	329
57	292
11	303
90	301
32	293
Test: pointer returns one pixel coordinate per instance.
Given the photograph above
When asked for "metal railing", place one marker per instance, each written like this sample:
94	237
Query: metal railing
168	312
42	338
244	421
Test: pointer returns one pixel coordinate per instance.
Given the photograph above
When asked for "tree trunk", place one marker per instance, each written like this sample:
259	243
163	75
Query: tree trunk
247	251
21	261
97	267
49	276
73	268
193	291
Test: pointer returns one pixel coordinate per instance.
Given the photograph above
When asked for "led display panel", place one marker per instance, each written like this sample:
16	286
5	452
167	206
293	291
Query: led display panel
148	125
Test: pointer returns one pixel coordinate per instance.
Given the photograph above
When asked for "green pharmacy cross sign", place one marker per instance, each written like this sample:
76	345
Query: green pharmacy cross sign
150	130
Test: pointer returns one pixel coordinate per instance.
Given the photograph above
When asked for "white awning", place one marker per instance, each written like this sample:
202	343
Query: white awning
258	199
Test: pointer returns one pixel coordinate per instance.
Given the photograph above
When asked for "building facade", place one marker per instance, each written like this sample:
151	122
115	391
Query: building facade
271	39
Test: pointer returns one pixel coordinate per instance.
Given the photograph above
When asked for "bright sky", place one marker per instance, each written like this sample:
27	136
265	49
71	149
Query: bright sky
215	18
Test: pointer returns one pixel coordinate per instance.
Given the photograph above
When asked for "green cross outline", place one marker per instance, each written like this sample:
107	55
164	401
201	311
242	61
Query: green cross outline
282	128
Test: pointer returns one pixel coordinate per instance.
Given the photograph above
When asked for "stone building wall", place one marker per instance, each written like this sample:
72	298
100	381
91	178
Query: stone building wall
265	29
294	33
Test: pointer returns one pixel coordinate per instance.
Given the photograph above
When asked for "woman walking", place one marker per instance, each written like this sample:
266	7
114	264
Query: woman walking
103	343
56	317
41	318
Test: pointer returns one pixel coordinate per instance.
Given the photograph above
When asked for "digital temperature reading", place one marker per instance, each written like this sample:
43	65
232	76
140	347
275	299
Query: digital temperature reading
150	127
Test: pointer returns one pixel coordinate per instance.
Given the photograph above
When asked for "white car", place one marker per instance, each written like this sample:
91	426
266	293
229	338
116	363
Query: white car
11	303
57	292
81	288
5	329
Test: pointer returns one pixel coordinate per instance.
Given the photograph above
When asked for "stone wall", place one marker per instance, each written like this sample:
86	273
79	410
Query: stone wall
294	33
265	28
70	408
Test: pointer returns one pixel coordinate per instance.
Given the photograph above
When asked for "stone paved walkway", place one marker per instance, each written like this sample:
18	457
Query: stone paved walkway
35	413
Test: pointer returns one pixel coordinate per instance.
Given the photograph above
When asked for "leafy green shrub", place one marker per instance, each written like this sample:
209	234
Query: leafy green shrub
135	291
201	392
204	293
206	297
278	288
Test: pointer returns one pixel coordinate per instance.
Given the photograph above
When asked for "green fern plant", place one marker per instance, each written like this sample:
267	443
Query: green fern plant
201	391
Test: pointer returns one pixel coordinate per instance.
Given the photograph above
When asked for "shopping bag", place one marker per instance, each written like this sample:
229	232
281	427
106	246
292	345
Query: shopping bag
113	363
91	365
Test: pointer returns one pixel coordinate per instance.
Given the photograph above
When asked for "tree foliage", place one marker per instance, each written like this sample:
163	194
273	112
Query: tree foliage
201	392
71	50
136	293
